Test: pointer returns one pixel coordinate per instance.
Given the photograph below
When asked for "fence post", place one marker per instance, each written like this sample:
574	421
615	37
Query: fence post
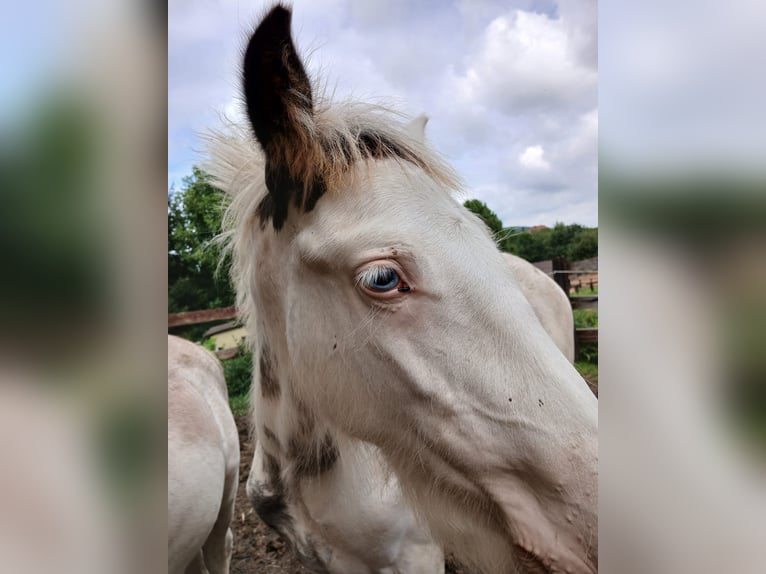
561	264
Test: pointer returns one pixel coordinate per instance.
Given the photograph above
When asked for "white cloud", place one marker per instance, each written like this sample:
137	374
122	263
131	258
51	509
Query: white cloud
532	158
527	60
498	83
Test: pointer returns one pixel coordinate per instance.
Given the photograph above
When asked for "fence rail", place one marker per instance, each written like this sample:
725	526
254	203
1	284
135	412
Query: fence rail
586	335
204	316
584	301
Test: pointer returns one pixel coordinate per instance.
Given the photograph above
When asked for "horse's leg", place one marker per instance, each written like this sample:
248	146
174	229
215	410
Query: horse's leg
196	566
218	546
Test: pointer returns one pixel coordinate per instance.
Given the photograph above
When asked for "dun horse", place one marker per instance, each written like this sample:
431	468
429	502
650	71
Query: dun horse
387	323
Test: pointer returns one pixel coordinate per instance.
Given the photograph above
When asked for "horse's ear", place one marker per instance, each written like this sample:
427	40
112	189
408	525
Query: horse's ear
280	107
276	87
417	128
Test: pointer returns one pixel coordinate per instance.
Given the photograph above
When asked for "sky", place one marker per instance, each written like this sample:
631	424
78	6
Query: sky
510	87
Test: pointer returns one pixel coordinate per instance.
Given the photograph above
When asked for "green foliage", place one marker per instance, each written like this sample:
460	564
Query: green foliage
194	219
209	344
573	242
560	238
584	245
487	215
585	291
239	372
587	370
585	318
588	353
240	405
531	246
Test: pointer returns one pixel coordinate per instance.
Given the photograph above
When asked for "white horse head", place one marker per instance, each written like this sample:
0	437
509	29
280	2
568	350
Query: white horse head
384	313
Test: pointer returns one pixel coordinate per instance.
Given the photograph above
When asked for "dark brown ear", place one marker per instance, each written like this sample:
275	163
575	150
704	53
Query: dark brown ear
279	102
275	83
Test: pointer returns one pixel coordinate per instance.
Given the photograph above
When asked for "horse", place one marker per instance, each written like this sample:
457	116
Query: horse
357	520
549	302
203	461
386	324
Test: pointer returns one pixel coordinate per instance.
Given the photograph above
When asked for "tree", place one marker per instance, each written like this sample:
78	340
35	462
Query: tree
194	219
487	215
532	246
573	242
584	246
560	238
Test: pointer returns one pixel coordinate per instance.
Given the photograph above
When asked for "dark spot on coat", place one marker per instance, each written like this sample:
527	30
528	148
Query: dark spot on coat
273	511
510	400
306	422
269	383
270	504
274	472
335	346
268	433
540	401
312	459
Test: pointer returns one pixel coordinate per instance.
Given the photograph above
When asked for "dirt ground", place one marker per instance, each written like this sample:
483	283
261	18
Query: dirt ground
257	549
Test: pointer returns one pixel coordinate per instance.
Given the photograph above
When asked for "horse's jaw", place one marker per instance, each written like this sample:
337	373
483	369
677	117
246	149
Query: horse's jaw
489	501
552	530
508	477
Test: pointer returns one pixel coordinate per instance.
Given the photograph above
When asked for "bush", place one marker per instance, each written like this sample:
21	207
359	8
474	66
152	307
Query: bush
585	318
239	372
573	242
588	353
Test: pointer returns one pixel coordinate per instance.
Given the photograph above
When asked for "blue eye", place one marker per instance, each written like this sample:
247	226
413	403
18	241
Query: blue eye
381	279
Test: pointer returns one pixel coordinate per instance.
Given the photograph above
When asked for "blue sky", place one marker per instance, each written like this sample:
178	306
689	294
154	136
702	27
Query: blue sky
511	88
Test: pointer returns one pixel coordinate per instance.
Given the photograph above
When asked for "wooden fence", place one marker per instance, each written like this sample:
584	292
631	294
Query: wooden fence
204	316
562	274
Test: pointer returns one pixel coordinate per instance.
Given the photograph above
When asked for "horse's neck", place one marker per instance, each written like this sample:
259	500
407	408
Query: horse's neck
287	429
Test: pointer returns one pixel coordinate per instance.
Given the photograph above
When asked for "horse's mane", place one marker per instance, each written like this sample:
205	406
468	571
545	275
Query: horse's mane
345	136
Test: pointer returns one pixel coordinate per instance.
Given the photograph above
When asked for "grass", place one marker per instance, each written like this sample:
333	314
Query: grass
239	372
239	405
585	318
585	291
587	370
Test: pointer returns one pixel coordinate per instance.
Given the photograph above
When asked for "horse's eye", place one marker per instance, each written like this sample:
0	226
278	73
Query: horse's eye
381	279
